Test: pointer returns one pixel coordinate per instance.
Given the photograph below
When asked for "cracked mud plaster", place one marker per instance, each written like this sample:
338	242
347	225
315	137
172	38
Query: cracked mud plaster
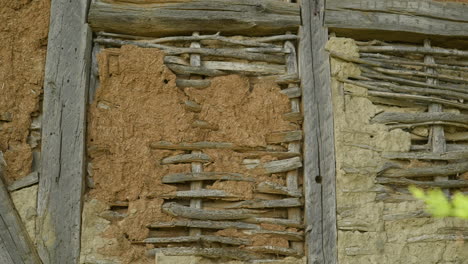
138	103
363	235
23	34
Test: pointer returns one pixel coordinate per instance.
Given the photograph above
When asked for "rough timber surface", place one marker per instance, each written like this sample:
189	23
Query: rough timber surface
65	91
415	16
319	155
15	244
247	17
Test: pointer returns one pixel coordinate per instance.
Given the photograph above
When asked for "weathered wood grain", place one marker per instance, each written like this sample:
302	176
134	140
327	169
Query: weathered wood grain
437	170
15	245
295	117
278	166
388	117
425	155
200	145
205	176
255	17
419	98
187	158
288	79
198	239
245	68
192	106
292	92
246	54
193	213
415	16
61	182
443	183
29	180
204	125
205	224
283	136
260	204
202	193
275	221
275	188
292	236
319	155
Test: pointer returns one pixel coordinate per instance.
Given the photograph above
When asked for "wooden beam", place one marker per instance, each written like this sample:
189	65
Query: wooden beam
15	245
319	155
246	17
61	181
413	16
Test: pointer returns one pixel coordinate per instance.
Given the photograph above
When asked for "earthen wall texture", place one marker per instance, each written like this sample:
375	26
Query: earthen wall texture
24	26
371	231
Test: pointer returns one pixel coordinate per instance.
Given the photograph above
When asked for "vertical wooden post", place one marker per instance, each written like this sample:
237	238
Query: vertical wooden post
319	150
293	176
61	182
436	135
195	60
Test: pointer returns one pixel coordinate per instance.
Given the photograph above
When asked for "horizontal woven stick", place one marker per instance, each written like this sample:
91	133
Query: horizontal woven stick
426	155
275	188
416	63
284	136
452	61
388	117
274	250
260	204
257	42
409	81
437	170
202	193
204	125
31	179
204	224
390	87
205	176
418	98
447	78
175	209
276	38
176	60
201	145
275	221
295	117
111	215
226	53
430	123
288	78
198	70
198	239
275	154
192	106
413	49
247	68
187	158
278	166
291	236
292	92
198	84
444	184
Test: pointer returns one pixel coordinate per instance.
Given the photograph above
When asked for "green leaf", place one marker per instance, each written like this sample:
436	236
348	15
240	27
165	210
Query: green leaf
460	204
